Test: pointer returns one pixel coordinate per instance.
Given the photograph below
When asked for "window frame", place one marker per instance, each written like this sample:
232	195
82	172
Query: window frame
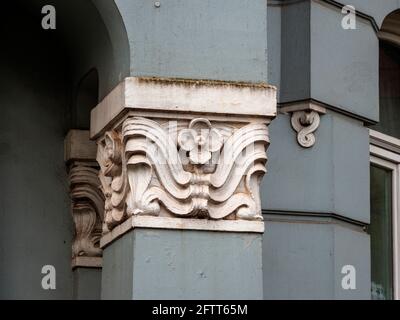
385	152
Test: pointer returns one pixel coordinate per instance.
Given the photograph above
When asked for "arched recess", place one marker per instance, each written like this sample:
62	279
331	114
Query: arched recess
87	97
390	30
42	73
389	76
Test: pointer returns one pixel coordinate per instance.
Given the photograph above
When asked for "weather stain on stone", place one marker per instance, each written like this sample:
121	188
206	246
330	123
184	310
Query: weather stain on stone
206	82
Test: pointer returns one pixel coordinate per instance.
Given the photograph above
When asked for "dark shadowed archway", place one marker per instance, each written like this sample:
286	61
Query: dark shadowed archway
47	88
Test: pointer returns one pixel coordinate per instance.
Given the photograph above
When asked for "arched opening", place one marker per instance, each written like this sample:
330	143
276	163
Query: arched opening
389	76
46	90
87	97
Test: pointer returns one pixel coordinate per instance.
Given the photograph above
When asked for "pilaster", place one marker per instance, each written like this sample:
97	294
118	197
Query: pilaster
182	160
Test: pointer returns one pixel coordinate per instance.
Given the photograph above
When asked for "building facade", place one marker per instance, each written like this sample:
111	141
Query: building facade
222	149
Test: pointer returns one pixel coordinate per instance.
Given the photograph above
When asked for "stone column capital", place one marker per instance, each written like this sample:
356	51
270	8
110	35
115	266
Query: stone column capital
183	149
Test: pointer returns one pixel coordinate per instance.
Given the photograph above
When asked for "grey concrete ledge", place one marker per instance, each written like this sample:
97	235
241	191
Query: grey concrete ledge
148	222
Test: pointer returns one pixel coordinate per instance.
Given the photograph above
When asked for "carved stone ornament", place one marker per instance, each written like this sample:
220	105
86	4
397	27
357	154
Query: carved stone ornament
87	210
183	149
305	120
87	199
195	169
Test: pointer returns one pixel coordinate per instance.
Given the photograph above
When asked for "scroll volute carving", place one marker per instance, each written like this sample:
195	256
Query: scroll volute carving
193	169
113	179
305	120
87	209
87	199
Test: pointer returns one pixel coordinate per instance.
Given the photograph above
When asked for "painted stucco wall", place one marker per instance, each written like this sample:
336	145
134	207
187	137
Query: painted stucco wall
316	201
324	62
183	264
87	284
200	39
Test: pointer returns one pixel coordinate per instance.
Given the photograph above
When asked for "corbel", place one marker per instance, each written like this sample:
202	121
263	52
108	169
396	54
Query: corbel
305	120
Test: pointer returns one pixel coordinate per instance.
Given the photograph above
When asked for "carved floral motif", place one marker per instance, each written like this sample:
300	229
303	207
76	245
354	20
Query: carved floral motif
196	169
200	140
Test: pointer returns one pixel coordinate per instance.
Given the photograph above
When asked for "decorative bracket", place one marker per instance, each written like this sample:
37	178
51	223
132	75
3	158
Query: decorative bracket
305	120
86	197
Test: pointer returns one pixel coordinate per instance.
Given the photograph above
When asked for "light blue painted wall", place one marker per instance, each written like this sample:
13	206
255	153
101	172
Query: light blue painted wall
295	52
330	177
274	34
183	264
305	246
324	62
207	39
304	256
344	63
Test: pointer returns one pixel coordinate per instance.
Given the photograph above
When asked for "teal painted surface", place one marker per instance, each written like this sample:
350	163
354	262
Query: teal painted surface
352	248
295	53
208	39
322	61
117	272
298	261
303	259
274	34
171	264
87	284
331	177
344	63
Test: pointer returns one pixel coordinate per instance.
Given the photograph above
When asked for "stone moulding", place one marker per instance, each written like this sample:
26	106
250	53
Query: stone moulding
87	199
305	120
159	223
183	149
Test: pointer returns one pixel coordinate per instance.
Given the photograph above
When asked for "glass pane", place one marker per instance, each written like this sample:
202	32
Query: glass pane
381	233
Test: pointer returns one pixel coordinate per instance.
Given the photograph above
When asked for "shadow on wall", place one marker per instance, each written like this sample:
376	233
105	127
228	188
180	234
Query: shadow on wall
50	80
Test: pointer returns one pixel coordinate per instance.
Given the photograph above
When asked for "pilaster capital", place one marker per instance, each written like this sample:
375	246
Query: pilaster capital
183	149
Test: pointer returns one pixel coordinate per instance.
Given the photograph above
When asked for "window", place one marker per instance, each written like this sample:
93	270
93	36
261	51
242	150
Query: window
385	229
